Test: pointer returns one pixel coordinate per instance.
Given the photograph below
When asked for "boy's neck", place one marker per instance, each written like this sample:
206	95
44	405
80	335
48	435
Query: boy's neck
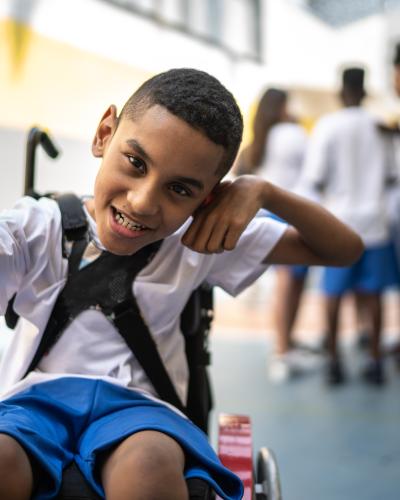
89	204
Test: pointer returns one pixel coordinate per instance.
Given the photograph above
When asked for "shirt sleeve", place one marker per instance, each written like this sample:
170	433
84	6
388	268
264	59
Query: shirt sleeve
236	269
27	233
316	161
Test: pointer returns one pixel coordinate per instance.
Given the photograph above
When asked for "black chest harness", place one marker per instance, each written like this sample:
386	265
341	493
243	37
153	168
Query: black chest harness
105	285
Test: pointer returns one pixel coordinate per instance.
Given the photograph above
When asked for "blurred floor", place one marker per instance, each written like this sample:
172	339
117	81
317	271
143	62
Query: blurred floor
331	443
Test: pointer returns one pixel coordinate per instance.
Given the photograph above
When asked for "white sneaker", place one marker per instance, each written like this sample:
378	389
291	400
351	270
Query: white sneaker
279	369
304	361
282	367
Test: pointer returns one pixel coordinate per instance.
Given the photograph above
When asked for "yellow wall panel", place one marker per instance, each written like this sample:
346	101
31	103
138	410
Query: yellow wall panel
45	82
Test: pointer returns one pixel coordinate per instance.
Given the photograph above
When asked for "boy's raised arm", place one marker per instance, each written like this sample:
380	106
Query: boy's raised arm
315	236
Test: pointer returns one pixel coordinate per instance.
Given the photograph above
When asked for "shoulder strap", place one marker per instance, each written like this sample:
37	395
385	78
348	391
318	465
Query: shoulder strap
74	228
125	316
73	217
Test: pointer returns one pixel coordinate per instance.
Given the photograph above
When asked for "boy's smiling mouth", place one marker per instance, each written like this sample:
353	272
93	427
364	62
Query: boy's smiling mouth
125	226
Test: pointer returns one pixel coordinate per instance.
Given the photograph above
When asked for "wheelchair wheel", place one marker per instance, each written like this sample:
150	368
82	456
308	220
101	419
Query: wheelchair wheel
268	485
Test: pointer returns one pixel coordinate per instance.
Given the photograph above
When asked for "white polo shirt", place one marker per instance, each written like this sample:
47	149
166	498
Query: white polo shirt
353	161
32	266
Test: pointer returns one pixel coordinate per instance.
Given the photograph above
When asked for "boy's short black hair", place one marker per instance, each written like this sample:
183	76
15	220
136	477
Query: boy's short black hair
353	90
197	98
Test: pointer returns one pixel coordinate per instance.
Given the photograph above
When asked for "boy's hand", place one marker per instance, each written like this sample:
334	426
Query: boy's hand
218	225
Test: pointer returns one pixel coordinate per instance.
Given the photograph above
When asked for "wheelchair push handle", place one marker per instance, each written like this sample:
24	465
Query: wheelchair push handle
36	136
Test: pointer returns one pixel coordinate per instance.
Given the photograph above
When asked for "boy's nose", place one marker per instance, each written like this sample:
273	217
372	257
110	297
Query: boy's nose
143	200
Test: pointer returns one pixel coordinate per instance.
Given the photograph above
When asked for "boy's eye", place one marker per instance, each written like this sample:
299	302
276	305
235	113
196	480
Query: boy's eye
137	163
179	189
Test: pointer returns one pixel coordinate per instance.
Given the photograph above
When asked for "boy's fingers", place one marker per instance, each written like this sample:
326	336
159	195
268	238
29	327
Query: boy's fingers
232	237
191	233
234	229
215	243
207	234
200	242
211	233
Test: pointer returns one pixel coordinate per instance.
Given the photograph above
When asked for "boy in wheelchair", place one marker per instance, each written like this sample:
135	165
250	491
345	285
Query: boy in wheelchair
90	290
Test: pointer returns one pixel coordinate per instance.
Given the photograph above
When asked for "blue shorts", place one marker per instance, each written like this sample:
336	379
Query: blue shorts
77	419
374	271
297	271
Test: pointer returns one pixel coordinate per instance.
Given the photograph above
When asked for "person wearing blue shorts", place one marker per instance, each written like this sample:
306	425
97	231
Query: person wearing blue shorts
87	399
351	163
375	271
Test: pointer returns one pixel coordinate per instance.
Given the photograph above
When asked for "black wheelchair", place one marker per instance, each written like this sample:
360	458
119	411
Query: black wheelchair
262	479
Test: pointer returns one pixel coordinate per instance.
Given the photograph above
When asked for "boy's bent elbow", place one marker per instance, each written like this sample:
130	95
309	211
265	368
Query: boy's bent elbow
354	250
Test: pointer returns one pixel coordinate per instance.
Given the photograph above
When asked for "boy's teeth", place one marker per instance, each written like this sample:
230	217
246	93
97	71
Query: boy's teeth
123	221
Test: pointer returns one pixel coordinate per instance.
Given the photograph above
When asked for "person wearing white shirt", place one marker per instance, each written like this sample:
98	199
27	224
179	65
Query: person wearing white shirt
350	162
396	68
276	154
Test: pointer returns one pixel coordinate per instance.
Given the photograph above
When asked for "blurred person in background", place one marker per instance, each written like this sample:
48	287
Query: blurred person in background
350	162
276	153
394	132
394	198
396	67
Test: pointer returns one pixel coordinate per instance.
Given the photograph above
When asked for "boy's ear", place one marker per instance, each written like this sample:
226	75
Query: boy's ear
209	198
105	131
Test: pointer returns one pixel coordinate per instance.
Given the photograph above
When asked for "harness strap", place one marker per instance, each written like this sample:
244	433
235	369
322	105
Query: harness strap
79	295
136	334
73	217
105	284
